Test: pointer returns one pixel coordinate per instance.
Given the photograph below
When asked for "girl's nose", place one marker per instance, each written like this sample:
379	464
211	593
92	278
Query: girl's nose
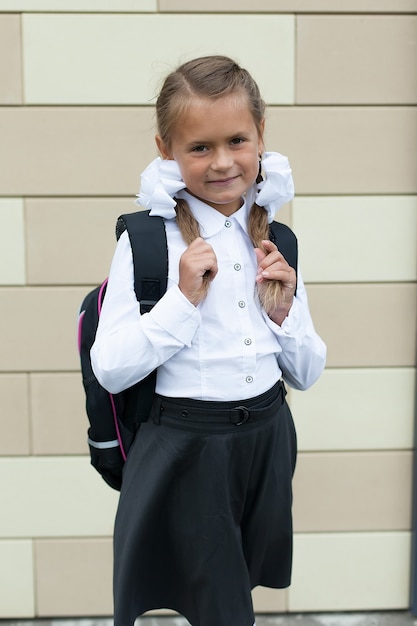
222	160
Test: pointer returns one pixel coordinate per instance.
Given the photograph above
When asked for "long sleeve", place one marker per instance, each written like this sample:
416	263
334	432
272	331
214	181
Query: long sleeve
303	354
123	333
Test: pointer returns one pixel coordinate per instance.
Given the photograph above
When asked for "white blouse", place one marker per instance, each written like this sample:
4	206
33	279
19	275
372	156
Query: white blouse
226	348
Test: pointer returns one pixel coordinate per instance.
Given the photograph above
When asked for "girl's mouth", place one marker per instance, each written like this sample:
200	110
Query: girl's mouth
222	182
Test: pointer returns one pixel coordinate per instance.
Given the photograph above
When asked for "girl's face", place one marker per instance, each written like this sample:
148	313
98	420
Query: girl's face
217	147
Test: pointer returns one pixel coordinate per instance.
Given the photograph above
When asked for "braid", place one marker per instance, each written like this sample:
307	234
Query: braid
269	291
190	230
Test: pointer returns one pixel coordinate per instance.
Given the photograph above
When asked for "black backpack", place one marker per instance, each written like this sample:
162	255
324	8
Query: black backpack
114	419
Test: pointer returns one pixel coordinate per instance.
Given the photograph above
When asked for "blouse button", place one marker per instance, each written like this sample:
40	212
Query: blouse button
249	379
248	341
241	304
237	267
228	223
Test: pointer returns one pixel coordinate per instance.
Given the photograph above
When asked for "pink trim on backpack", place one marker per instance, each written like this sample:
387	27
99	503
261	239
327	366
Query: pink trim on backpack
116	424
113	405
101	296
80	327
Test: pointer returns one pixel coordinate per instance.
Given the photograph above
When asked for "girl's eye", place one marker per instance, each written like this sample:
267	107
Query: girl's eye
237	141
199	148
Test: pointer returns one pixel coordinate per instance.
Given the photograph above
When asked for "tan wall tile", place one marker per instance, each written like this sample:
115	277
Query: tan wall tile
59	59
10	60
83	149
12	242
268	6
347	150
16	579
284	215
353	491
356	571
59	421
267	600
366	325
14	415
54	497
84	584
357	409
216	6
120	143
79	6
357	238
78	234
39	328
356	60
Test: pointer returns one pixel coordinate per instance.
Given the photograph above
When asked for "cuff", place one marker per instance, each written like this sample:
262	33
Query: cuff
176	315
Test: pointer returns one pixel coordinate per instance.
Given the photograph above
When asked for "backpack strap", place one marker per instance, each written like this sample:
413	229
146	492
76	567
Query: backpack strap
286	242
150	255
150	264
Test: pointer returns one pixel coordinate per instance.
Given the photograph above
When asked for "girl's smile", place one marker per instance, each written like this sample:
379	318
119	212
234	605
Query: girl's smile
217	145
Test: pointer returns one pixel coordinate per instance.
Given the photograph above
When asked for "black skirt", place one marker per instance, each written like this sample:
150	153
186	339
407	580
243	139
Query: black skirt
205	510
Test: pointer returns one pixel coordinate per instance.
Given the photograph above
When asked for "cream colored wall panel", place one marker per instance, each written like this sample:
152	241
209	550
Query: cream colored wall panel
353	491
54	497
369	325
79	6
80	151
84	584
58	419
14	415
16	579
347	150
356	409
10	60
357	238
319	6
77	233
356	59
12	242
38	328
61	66
357	571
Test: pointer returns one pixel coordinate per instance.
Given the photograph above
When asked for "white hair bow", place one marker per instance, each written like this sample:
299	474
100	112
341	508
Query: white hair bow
160	181
277	188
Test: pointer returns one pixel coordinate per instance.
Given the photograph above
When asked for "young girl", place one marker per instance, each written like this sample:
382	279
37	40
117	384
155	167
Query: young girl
205	506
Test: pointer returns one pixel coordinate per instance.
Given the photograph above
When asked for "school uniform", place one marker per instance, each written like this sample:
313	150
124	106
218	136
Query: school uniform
205	507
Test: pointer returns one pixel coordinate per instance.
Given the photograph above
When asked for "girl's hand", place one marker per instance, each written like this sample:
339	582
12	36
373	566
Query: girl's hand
197	265
273	266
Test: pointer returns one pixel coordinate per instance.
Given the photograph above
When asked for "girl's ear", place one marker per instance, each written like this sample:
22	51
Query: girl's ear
163	150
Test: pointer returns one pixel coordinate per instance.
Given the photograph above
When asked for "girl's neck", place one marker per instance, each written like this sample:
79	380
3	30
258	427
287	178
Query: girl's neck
227	210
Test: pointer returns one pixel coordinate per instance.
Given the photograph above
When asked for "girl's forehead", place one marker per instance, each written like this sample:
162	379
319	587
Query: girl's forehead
231	110
234	101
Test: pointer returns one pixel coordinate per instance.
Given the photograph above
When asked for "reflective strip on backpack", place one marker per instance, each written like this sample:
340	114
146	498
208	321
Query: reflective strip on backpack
103	445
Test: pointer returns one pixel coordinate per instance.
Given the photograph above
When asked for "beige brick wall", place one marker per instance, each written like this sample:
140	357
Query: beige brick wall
77	87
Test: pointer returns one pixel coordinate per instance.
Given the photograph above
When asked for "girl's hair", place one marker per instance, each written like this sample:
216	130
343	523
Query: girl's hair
214	77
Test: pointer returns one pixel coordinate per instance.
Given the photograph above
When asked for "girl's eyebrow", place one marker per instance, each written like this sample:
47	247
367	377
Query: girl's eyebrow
203	142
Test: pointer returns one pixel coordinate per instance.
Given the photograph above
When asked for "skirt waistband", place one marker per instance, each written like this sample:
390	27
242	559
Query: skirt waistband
237	413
